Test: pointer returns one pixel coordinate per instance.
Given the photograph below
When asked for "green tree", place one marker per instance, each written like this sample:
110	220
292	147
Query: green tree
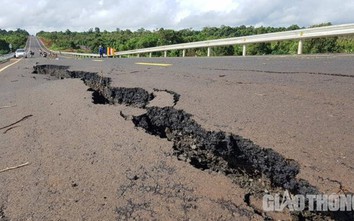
4	47
16	38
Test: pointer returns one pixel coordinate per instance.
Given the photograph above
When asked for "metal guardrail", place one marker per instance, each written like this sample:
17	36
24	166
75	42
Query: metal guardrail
84	55
88	55
300	34
6	57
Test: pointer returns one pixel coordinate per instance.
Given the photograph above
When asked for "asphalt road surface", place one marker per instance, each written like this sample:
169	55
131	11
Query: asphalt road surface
86	162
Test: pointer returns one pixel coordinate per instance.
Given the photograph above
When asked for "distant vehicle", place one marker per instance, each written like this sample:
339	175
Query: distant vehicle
20	53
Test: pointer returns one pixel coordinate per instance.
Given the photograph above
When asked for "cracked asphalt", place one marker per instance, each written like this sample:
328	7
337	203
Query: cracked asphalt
88	163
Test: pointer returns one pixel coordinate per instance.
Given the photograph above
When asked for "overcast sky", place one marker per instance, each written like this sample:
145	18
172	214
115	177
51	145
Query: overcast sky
80	15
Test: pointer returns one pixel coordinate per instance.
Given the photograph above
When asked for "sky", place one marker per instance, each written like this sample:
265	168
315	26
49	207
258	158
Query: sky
81	15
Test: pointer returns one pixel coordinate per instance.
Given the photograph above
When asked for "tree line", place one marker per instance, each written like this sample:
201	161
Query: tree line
89	41
17	39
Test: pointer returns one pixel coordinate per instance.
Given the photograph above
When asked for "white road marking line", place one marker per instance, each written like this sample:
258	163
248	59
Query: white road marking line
154	64
2	69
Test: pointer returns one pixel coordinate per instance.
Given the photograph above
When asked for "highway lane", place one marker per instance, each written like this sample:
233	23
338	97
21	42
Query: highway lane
36	46
301	106
291	104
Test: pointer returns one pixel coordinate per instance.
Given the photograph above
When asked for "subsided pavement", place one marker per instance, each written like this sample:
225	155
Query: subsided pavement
90	162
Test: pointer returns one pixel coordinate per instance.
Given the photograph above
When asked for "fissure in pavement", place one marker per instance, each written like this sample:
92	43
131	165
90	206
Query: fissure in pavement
103	92
223	152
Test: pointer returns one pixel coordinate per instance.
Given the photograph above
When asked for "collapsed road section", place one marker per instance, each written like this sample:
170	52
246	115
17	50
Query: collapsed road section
218	151
229	154
104	93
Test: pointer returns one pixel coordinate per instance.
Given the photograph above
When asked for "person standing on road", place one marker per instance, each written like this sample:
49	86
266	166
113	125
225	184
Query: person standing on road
100	50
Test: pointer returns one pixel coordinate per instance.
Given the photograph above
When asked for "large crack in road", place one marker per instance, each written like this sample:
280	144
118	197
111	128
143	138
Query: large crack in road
103	92
230	154
218	151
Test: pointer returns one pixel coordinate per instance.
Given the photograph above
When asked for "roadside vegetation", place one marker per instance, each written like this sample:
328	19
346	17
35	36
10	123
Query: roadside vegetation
122	40
16	38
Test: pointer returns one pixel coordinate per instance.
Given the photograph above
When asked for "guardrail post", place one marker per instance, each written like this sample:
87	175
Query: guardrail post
184	53
244	50
138	55
299	48
150	54
165	54
209	51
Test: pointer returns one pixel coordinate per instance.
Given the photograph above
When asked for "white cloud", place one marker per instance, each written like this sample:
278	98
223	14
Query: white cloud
80	15
198	7
208	5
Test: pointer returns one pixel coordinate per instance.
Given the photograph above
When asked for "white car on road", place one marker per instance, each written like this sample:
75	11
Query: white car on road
20	53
